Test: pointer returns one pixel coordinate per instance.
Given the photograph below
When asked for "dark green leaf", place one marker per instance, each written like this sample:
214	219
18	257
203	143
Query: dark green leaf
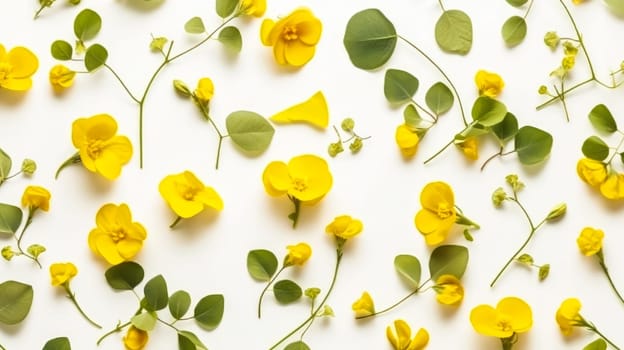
231	38
298	345
598	344
15	302
488	111
453	32
533	145
514	30
261	264
179	304
189	341
124	276
156	294
95	57
10	218
226	7
439	98
249	131
87	25
411	116
195	25
61	343
5	165
517	3
287	291
409	269
602	119
370	39
595	148
448	260
505	130
399	86
209	311
62	50
145	321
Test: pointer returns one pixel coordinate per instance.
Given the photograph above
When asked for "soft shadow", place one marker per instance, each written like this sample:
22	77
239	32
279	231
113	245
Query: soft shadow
11	329
98	183
195	226
142	5
448	311
534	170
11	98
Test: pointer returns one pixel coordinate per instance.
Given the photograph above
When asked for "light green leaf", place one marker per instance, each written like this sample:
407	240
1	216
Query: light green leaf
471	131
598	344
453	32
617	6
488	111
179	304
124	276
533	145
298	345
145	321
287	291
514	30
506	129
231	38
62	50
61	343
602	119
261	264
189	341
156	295
10	218
439	98
543	272
15	302
87	25
517	3
409	269
5	165
399	86
411	116
209	311
249	131
195	25
448	260
370	39
95	57
595	148
226	7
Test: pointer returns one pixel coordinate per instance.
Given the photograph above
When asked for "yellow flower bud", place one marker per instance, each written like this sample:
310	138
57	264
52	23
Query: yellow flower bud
591	171
567	63
254	8
297	254
568	316
470	148
135	339
61	77
613	187
449	290
344	227
401	339
489	84
347	124
356	145
7	253
204	91
407	140
36	197
181	87
543	90
158	44
514	182
498	197
364	306
590	241
62	273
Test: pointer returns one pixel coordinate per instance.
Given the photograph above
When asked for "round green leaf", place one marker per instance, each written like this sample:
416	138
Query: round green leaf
448	260
156	295
602	119
179	304
61	343
409	269
287	291
261	264
617	6
231	38
62	50
249	131
10	218
439	98
488	111
399	86
533	145
370	39
517	3
514	30
595	148
124	276
506	129
195	25
411	116
189	341
95	57
298	345
226	7
145	321
598	344
87	24
15	301
209	311
5	165
453	32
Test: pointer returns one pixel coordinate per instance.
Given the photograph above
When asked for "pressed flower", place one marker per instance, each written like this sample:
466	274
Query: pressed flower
16	68
313	111
62	273
438	214
204	91
613	187
407	140
489	84
511	315
470	148
364	306
298	254
99	148
590	241
116	238
344	227
591	171
135	339
253	7
36	197
568	316
449	290
401	337
61	77
293	37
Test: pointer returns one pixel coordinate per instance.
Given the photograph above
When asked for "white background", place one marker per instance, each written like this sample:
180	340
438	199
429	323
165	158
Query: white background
206	255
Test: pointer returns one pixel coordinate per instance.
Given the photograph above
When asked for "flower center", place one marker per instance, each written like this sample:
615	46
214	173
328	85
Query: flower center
94	149
444	210
300	184
290	33
118	234
5	70
503	322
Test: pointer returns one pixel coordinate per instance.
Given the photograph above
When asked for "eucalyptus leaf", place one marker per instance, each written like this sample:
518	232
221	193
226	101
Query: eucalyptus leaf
488	111
249	131
602	119
179	304
439	98
598	344
517	3
411	116
156	295
209	311
409	269
448	260
145	321
370	39
189	341
10	218
506	129
399	86
226	7
453	32
61	50
298	345
287	291
15	302
261	264
87	25
5	165
532	144
231	38
195	25
60	343
514	30
595	148
95	57
124	276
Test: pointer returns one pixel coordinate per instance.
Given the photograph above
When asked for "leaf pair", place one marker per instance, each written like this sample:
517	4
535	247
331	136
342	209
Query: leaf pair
262	265
602	120
444	260
401	86
229	36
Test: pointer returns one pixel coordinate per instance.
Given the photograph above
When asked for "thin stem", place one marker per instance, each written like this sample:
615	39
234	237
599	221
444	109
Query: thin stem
439	152
12	176
616	151
564	92
122	83
266	288
294	216
119	328
391	306
72	297
169	325
528	10
175	222
593	328
563	101
441	5
435	119
606	271
580	38
206	116
43	5
497	154
74	159
31	213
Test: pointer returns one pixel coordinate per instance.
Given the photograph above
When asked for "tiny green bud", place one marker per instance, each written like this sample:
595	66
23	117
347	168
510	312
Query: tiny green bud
74	2
347	124
498	197
543	272
467	235
569	49
29	166
180	87
567	63
312	293
327	311
80	47
512	180
543	90
46	3
356	145
7	253
557	212
335	148
525	259
551	39
158	43
35	250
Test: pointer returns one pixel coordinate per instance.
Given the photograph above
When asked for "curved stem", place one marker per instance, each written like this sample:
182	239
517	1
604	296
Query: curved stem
616	151
580	39
564	92
498	154
206	115
593	328
31	212
119	328
43	5
72	297
122	83
439	152
175	222
606	271
266	288
294	216
528	9
74	159
391	306
426	111
170	325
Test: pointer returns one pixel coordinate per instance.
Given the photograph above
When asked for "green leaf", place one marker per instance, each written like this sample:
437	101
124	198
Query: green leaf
195	25
448	260
453	32
506	129
408	267
488	111
156	295
602	119
95	57
517	3
145	321
124	276
62	51
411	116
226	7
617	6
439	98
10	218
399	86
598	344
370	39
209	311
298	345
179	304
231	38
543	272
61	343
87	25
471	131
15	301
595	148
533	145
249	131
261	264
5	165
514	30
189	341
287	291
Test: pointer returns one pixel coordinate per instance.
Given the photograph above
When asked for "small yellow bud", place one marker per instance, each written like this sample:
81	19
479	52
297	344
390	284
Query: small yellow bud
7	253
544	270
312	293
35	250
74	2
356	145
526	259
569	49
567	63
327	311
335	148
543	90
513	181
498	197
347	124
158	44
551	39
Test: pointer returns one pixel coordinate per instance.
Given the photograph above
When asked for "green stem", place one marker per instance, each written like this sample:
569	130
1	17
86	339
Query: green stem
580	39
122	83
175	222
72	297
38	13
294	216
74	159
31	213
440	151
311	317
119	328
435	119
497	154
441	5
528	10
169	325
206	116
12	176
606	271
266	288
616	151
391	306
593	328
564	92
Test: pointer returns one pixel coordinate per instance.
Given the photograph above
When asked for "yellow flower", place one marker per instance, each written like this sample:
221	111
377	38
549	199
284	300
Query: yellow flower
100	149
576	2
36	197
364	306
62	273
298	254
293	37
401	337
61	77
187	196
135	339
204	90
313	111
449	290
305	178
253	7
511	315
344	227
591	171
407	140
470	148
489	84
438	215
590	241
116	238
16	68
568	316
613	187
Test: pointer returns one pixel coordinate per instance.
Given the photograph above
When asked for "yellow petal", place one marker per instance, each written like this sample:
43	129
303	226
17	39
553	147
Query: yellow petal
108	249
392	337
420	341
17	84
297	53
24	62
98	127
484	320
116	153
3	53
313	111
310	31
435	193
210	198
128	248
314	173
266	32
276	179
135	231
519	312
106	217
279	52
613	187
404	333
